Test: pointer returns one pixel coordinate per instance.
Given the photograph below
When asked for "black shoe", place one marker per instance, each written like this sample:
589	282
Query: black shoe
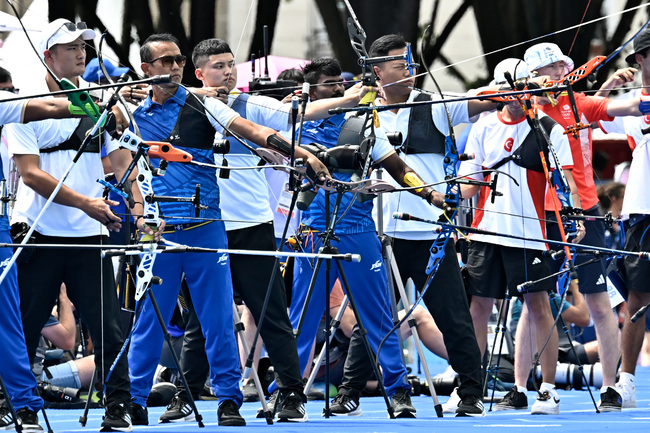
178	410
292	409
343	405
513	400
6	419
28	418
139	415
401	403
470	405
117	418
228	414
610	401
250	391
161	394
271	403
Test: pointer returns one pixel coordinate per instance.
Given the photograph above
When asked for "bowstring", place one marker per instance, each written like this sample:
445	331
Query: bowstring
578	30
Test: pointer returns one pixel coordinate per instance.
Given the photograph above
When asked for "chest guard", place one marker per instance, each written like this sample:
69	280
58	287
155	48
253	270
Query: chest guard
192	129
527	154
423	135
77	137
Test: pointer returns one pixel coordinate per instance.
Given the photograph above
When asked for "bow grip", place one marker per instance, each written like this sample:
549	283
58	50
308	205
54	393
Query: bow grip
81	100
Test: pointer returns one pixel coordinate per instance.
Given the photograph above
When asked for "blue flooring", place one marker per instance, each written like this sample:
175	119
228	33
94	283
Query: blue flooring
577	415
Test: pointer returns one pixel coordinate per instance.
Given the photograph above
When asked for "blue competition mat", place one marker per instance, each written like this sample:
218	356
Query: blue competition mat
577	415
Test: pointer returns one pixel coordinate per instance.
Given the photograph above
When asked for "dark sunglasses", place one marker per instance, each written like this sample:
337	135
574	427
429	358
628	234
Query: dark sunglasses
10	89
168	61
72	26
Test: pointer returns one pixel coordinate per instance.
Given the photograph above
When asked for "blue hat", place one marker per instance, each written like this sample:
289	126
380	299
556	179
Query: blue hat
94	73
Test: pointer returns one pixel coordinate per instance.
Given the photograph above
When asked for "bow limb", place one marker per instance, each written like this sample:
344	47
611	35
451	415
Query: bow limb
151	211
450	163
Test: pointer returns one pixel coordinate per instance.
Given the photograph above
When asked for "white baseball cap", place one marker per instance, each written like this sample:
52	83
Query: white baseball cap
516	67
544	54
62	31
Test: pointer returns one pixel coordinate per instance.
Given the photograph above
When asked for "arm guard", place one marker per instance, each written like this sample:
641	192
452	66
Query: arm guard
275	142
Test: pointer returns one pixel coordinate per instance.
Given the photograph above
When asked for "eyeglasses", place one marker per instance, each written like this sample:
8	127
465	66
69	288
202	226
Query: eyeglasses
168	61
10	89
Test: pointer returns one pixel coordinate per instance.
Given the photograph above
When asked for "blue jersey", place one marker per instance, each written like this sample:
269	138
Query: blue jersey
353	217
156	123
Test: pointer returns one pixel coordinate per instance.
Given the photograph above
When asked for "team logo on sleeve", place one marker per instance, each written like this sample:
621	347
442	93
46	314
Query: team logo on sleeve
376	266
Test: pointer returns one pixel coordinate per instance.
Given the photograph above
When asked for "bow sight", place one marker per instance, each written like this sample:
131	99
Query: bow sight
364	61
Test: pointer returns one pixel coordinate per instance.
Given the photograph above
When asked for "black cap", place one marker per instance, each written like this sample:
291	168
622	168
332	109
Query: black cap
640	43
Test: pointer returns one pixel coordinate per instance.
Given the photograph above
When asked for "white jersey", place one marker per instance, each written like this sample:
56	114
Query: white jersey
519	210
636	200
244	197
29	139
428	166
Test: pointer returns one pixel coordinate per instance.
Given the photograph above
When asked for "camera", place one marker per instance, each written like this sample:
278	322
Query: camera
442	385
58	394
568	376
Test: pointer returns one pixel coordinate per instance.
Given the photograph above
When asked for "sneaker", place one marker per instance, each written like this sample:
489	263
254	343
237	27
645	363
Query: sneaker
610	401
116	418
228	414
471	405
293	408
343	405
627	392
250	391
449	373
452	404
513	400
28	418
139	415
178	410
7	421
547	403
271	403
161	394
401	403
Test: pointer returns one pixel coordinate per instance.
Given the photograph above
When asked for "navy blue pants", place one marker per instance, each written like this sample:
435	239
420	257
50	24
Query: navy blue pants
368	283
210	284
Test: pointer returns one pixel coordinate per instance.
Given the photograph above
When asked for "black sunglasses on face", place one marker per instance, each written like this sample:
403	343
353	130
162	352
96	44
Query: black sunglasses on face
168	61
